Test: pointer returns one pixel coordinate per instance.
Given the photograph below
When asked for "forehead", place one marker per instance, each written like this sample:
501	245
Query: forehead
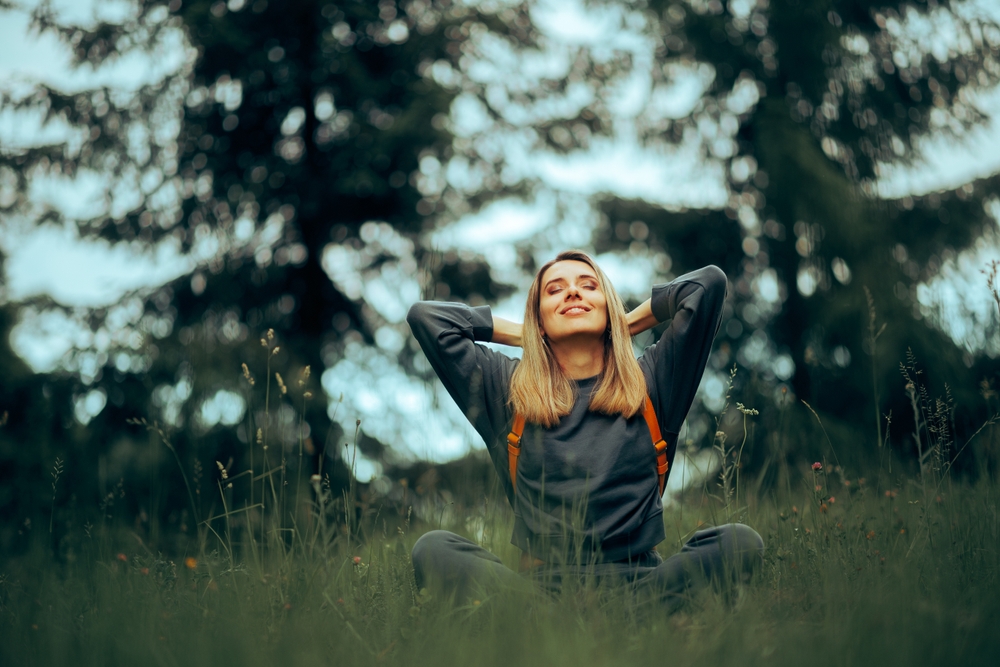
568	270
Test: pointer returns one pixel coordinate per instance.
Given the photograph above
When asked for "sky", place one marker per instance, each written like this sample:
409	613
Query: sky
54	261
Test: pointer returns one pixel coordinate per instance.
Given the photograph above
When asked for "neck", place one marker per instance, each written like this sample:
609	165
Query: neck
579	359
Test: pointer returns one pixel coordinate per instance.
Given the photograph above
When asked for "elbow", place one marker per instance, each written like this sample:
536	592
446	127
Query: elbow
714	281
417	318
416	313
715	277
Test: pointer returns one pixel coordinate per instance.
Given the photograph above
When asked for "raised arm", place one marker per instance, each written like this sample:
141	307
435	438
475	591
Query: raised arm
506	332
642	318
693	305
476	377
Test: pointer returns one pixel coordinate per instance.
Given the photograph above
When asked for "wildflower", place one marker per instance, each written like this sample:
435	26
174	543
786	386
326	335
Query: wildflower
847	482
260	436
817	466
270	334
902	531
275	350
891	494
281	383
222	470
818	488
288	606
823	507
832	500
304	375
357	560
145	570
308	394
246	374
870	535
340	600
795	510
190	562
122	557
263	343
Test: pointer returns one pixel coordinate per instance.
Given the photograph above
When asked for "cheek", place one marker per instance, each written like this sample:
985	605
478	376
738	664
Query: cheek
601	304
544	312
604	314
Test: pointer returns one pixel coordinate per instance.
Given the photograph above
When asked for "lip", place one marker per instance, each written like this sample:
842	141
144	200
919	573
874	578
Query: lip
582	308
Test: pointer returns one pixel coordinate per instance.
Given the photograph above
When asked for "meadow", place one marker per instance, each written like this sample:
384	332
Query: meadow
884	560
878	570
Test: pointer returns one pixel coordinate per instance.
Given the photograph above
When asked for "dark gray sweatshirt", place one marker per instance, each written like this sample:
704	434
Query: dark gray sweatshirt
587	488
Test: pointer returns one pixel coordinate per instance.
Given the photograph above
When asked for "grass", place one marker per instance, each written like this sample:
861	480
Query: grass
873	577
891	569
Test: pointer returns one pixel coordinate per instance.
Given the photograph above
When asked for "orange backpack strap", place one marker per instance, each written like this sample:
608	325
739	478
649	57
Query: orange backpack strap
662	465
514	447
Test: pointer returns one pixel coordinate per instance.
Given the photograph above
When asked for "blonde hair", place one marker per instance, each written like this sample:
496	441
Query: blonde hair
540	390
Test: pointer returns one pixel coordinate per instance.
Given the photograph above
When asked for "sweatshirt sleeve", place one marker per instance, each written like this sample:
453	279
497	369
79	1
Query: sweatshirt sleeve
476	377
674	366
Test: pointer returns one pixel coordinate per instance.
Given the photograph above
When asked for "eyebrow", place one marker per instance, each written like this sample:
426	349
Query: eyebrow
562	280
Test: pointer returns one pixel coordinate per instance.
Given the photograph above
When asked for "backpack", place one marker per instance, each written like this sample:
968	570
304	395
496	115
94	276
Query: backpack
660	445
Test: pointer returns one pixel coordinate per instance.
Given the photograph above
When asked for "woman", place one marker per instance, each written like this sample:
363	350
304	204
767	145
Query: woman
585	490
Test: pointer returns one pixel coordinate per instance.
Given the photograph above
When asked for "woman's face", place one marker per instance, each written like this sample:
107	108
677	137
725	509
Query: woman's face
571	303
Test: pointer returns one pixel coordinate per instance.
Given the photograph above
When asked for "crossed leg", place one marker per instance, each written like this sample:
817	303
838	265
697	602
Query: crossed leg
458	567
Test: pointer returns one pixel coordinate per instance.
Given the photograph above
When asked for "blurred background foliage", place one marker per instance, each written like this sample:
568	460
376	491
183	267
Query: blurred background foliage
313	167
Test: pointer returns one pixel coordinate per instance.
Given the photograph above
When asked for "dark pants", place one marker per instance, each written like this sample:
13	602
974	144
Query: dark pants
453	565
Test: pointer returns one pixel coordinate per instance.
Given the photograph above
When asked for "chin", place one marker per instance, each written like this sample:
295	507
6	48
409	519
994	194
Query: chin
577	333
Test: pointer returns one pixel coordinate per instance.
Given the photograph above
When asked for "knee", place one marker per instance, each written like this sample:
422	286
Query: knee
746	539
427	547
745	544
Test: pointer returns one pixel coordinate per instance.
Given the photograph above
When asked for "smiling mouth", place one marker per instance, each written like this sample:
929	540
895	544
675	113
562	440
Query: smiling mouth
574	310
